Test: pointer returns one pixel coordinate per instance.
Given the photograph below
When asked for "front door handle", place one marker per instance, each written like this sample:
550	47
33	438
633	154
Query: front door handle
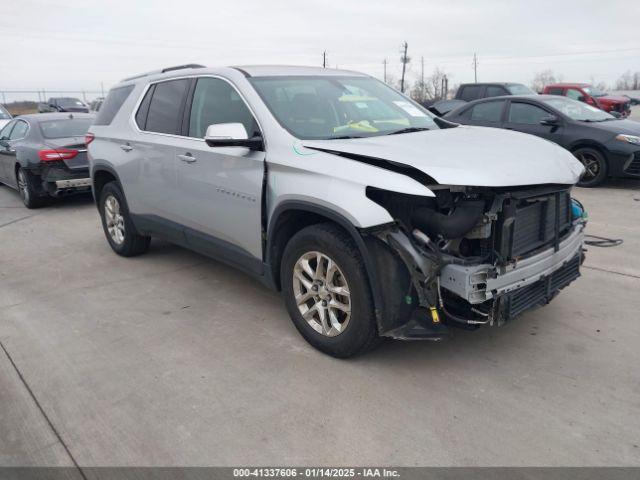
126	148
187	157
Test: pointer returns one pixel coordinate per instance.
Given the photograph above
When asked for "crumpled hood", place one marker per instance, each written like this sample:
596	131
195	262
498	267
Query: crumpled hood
469	156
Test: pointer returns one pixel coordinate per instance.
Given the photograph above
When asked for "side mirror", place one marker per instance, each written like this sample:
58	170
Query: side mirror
551	121
231	135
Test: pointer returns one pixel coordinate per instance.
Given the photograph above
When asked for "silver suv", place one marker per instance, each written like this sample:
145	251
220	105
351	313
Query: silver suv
373	217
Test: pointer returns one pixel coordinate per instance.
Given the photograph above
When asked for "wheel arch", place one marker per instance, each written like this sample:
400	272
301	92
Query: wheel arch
292	216
587	143
100	176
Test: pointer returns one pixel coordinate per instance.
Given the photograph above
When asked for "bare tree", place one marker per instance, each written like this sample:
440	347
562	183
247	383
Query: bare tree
433	89
628	81
405	61
541	79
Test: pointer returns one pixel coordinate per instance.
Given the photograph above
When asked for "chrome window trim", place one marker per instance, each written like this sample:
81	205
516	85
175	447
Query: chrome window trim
134	124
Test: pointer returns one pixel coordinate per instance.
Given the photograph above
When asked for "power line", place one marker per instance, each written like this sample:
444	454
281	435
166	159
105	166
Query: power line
475	67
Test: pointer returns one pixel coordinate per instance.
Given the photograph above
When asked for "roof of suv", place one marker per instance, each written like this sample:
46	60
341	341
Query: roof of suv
278	70
248	71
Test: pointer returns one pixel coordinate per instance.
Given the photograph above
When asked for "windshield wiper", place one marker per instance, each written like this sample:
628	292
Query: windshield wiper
345	137
408	130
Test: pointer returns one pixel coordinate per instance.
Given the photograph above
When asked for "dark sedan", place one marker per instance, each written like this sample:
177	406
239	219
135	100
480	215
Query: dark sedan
606	146
45	155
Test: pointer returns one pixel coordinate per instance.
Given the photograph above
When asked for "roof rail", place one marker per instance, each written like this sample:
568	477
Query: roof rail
164	70
180	67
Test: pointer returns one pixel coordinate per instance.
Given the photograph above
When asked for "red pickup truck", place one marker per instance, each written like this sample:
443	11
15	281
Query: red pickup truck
592	96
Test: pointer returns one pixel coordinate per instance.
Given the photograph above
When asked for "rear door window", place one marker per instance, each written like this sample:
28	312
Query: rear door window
166	107
526	114
112	104
143	110
487	111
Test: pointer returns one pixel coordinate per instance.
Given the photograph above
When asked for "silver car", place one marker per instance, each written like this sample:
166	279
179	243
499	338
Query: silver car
373	217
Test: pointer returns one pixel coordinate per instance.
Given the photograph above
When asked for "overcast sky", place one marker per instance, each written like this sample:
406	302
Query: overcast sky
77	44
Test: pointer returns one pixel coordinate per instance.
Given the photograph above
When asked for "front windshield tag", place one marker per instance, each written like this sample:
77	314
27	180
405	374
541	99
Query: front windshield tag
410	108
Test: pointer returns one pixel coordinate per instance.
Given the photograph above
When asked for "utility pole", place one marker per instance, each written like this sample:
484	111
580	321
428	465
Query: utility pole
475	67
384	62
324	59
422	79
404	59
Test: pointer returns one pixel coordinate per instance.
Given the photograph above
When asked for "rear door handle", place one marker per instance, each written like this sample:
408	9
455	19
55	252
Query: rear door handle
187	157
126	148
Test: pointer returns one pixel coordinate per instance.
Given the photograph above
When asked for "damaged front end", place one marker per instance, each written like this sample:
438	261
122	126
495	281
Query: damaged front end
473	255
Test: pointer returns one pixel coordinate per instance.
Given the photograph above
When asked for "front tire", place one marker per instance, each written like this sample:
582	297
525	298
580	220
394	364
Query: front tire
326	291
117	225
595	165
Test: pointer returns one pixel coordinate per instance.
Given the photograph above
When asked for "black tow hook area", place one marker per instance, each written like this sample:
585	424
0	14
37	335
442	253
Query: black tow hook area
420	327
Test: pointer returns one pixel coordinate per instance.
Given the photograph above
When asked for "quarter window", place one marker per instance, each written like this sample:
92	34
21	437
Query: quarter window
19	131
526	114
488	111
215	101
112	104
166	106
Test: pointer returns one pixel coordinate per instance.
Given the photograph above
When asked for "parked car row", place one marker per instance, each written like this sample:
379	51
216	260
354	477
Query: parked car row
45	156
606	146
571	115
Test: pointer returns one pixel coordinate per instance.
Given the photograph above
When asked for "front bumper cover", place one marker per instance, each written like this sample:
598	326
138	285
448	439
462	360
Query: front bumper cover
479	283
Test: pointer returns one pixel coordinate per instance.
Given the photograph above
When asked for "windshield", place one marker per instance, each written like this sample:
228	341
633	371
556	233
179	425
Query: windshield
517	89
327	107
76	127
578	110
593	91
4	115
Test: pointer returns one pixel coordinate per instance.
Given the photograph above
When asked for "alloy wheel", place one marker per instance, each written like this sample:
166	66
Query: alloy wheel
322	294
591	164
114	219
23	185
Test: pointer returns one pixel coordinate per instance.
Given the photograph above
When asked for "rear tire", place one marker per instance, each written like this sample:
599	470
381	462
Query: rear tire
322	264
595	164
27	186
117	225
